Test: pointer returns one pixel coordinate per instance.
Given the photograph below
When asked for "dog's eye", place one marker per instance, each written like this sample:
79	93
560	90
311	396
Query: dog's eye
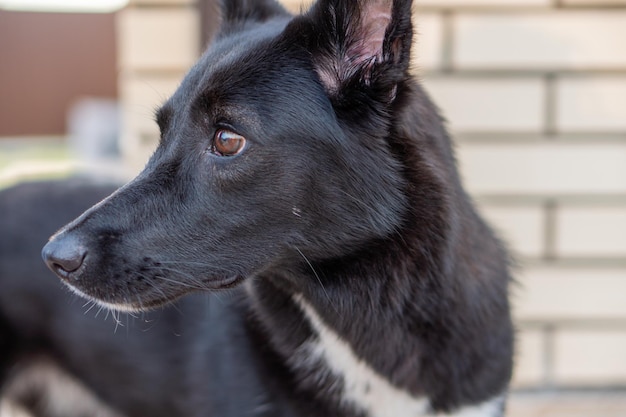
227	143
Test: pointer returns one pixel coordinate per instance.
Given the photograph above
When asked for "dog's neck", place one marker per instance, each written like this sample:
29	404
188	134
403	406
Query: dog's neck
410	320
328	355
364	389
343	345
358	345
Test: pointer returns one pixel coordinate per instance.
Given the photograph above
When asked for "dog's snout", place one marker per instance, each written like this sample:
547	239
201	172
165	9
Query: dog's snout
64	255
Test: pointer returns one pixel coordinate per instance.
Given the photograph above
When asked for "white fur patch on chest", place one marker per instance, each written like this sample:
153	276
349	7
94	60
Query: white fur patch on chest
364	388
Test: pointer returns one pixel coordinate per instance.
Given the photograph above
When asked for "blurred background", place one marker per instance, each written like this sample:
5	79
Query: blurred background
535	95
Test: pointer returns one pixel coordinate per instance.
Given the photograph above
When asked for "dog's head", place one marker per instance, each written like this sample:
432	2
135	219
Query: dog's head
274	150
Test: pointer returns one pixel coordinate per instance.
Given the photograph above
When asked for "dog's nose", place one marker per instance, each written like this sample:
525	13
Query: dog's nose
64	255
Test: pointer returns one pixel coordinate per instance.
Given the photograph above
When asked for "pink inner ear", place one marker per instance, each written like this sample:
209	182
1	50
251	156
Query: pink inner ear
370	36
364	44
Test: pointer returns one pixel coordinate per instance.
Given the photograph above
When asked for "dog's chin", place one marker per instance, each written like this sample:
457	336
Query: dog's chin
143	302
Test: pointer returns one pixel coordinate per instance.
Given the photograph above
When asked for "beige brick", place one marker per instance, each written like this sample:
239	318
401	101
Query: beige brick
427	49
570	293
521	227
567	403
593	3
136	150
428	35
566	39
591	103
475	104
591	231
158	39
544	168
590	357
529	358
296	6
141	96
483	3
161	2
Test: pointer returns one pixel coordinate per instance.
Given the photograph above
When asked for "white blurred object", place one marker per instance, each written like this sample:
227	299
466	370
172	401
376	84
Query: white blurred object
93	134
72	6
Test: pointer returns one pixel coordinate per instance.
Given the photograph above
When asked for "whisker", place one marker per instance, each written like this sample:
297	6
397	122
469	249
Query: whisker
159	290
184	284
93	304
200	284
100	308
116	316
318	278
183	263
154	286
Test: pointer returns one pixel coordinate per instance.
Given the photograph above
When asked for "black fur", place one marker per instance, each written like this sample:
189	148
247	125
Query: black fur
240	12
346	195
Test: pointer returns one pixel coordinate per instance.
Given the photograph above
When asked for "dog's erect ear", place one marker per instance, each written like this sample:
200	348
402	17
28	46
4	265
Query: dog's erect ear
364	41
234	12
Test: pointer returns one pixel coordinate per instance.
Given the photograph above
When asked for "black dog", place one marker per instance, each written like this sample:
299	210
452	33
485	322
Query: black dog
301	159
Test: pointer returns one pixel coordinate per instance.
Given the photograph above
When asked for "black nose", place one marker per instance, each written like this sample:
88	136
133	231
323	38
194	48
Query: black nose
64	255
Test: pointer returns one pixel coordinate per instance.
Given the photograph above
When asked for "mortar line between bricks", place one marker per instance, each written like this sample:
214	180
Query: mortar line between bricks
137	72
552	7
550	106
447	41
548	355
588	324
160	6
565	138
482	73
550	229
579	199
617	262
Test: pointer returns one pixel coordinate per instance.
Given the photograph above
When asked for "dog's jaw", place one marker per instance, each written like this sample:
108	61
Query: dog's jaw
126	308
137	304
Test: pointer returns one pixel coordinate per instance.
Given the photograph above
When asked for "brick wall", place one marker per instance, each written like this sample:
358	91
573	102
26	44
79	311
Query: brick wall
158	41
535	94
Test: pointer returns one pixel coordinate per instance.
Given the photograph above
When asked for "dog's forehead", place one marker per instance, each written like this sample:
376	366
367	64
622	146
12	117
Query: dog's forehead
239	52
259	81
242	60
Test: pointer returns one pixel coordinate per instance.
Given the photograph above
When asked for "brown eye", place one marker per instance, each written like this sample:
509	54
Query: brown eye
227	143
